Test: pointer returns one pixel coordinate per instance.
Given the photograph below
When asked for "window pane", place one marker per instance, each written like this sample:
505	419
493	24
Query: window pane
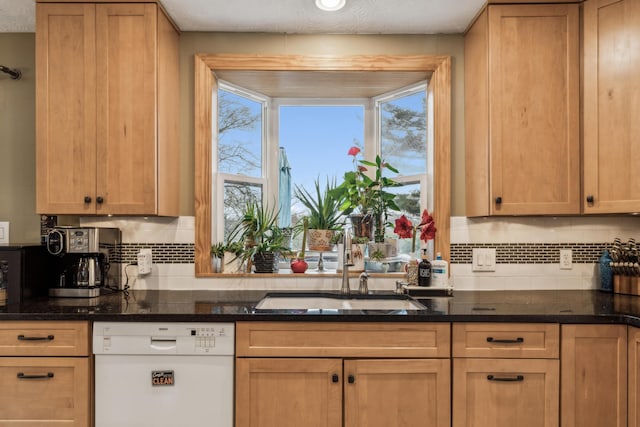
239	135
316	140
236	197
403	126
408	200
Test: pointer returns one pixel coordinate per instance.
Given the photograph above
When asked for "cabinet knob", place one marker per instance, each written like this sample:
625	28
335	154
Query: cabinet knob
335	378
99	200
87	199
590	199
498	200
351	379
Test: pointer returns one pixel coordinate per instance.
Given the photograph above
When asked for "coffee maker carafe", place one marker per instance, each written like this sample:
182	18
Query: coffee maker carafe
88	260
89	270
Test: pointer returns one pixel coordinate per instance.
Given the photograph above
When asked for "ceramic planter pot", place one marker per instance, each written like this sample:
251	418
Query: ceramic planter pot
320	240
357	257
264	262
231	264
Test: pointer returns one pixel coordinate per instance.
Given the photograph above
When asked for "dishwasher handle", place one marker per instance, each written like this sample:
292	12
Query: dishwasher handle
163	343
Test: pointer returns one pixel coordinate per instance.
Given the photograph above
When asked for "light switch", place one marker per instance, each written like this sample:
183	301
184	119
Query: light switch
484	259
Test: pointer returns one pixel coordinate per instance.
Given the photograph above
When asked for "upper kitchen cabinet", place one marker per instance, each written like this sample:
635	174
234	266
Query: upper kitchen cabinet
107	109
522	127
611	106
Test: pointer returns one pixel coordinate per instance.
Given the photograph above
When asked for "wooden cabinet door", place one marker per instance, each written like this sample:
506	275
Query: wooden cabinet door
397	393
65	108
633	376
611	106
45	391
273	392
126	40
505	392
594	376
534	133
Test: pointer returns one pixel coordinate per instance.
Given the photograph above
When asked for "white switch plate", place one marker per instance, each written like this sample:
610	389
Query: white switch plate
566	259
4	232
484	259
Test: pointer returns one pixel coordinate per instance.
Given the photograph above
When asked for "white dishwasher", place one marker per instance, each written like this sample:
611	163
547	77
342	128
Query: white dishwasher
163	374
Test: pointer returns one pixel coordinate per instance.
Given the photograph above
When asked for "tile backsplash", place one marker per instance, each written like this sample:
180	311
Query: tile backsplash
527	253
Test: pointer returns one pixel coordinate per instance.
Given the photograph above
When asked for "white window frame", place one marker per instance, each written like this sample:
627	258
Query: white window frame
219	178
271	144
425	180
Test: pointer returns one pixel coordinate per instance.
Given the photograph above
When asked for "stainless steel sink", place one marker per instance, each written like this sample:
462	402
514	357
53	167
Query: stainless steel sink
326	301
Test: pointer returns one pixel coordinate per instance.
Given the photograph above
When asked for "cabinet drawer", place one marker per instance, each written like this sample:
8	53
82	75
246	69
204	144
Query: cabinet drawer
342	339
512	340
40	338
38	391
506	392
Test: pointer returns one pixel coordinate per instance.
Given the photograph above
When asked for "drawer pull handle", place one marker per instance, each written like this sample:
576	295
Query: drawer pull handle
23	376
506	379
518	340
335	378
351	379
47	338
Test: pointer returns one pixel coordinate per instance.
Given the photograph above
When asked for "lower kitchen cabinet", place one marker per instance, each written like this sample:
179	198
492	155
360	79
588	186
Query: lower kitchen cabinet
633	376
273	392
594	376
45	374
292	374
316	392
506	374
397	393
505	392
38	391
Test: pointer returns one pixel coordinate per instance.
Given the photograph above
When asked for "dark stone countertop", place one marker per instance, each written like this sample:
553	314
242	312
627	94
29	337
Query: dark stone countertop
229	306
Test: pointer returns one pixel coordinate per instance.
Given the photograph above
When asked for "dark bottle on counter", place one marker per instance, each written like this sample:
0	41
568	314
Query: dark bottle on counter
606	274
424	270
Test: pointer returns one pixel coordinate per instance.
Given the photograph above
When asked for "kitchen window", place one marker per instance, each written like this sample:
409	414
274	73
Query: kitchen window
282	72
312	136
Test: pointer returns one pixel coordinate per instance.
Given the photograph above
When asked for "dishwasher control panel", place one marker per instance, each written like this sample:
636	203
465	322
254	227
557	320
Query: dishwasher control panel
163	338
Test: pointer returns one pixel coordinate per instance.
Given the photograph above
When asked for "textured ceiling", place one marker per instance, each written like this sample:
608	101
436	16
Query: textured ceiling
292	16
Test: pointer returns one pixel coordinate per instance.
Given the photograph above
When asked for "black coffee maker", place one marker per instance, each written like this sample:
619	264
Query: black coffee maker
89	260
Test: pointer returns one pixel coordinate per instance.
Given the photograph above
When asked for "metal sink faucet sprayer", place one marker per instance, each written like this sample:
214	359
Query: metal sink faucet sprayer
346	262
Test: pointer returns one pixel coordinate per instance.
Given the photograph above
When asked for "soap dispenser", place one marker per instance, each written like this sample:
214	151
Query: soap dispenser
424	270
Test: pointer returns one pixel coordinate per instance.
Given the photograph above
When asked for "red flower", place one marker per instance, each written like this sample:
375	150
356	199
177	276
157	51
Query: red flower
427	227
404	228
353	151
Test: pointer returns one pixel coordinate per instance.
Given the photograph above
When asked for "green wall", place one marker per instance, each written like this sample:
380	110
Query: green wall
17	138
17	105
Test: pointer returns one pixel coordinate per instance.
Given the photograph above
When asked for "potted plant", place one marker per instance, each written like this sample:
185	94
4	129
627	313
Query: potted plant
232	259
324	214
217	256
263	239
367	197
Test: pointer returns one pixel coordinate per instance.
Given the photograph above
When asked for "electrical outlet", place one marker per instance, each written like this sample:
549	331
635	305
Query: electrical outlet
566	259
145	261
4	232
484	259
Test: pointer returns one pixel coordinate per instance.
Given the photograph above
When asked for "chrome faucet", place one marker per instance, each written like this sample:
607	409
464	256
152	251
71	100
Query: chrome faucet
346	262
